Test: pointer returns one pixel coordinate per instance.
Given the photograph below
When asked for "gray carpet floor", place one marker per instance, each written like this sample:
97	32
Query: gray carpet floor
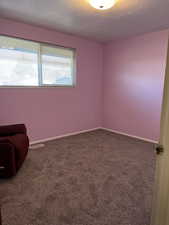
96	178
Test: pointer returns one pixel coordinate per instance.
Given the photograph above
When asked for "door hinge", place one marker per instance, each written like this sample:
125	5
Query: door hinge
159	149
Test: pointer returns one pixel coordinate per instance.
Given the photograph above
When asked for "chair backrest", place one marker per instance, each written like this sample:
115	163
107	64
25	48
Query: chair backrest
9	130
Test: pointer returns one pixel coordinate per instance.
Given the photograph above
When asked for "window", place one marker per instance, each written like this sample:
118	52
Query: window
28	63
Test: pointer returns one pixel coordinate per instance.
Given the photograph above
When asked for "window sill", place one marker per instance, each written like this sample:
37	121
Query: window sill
43	86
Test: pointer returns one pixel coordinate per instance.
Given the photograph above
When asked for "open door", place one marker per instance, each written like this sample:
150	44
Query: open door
160	214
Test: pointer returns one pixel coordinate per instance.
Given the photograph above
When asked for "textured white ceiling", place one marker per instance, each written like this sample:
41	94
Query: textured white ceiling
126	18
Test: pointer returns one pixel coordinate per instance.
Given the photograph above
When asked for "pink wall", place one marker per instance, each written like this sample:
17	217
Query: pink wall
119	86
49	112
133	84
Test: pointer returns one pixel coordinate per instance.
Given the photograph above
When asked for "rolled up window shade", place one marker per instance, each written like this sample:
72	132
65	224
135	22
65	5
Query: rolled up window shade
15	43
57	51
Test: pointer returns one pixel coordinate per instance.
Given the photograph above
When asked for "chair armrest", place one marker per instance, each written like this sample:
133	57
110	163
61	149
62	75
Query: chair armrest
12	130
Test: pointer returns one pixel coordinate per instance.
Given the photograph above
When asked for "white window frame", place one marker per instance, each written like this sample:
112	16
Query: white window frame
39	66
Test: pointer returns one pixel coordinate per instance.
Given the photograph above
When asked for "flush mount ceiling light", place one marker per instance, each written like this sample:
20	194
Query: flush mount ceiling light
102	4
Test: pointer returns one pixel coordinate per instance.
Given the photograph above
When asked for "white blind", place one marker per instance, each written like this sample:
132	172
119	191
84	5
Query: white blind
15	43
57	51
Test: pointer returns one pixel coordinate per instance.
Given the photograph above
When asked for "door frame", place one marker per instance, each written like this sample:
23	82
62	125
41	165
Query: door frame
160	211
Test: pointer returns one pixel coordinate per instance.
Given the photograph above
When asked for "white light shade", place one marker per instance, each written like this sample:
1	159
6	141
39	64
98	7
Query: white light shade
102	4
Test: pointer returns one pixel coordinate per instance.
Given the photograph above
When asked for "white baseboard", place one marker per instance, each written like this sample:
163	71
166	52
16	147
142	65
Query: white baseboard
64	135
128	135
85	131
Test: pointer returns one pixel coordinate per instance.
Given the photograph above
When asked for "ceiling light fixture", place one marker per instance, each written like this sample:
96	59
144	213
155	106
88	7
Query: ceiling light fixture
102	4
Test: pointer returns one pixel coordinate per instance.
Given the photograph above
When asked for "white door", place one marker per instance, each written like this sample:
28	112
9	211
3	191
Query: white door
160	214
